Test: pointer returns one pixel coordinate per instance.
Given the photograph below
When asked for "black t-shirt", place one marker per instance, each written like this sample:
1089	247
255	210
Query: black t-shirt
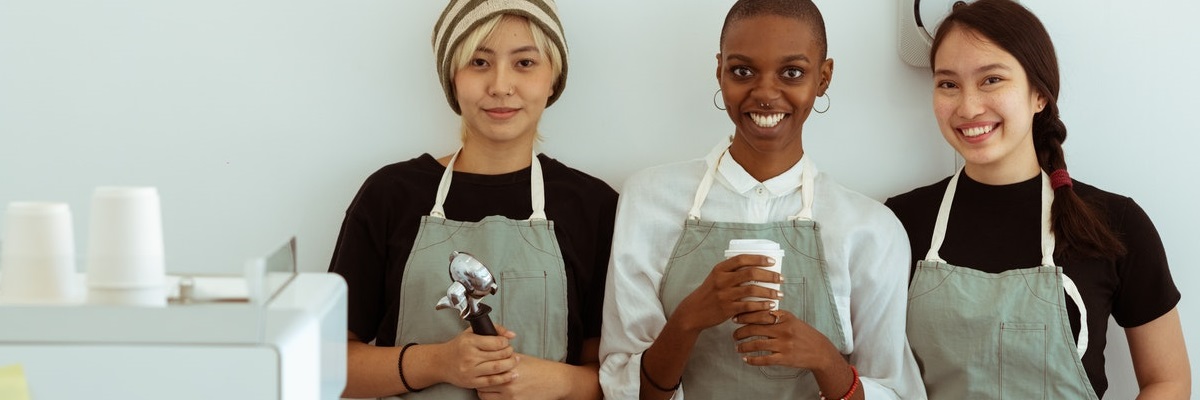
381	226
997	228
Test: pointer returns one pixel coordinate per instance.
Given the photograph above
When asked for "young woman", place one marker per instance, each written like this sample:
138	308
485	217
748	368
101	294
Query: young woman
675	314
542	228
1021	265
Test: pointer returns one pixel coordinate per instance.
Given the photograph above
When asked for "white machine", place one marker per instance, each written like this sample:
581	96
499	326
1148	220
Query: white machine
286	342
918	21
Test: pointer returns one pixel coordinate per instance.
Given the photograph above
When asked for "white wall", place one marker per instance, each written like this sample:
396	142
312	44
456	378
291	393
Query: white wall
258	119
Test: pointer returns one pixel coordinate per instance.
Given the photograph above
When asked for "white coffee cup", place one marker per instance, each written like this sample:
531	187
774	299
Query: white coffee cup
37	255
761	247
125	260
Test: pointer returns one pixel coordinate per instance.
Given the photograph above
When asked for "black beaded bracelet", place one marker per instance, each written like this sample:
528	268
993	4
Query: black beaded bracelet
654	384
400	367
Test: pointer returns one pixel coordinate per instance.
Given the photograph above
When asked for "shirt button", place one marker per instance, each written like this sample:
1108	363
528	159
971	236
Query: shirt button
762	191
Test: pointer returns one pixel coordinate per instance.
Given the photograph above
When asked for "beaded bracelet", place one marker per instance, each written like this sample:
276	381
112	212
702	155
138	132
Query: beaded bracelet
400	367
652	383
849	393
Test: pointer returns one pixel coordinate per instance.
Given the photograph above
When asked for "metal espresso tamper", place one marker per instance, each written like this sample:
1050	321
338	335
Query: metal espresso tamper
471	280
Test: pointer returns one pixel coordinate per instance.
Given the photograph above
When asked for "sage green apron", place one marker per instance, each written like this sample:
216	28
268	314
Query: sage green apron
979	335
715	369
523	256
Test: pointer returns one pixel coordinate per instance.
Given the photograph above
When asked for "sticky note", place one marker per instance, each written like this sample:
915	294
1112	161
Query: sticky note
12	383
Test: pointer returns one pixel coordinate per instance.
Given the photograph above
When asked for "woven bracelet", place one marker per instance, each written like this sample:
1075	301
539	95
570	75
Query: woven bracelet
400	367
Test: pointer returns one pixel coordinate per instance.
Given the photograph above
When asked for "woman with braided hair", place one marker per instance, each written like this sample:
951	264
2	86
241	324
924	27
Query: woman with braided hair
1018	266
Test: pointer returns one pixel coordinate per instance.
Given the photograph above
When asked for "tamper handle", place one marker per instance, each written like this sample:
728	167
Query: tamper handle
481	323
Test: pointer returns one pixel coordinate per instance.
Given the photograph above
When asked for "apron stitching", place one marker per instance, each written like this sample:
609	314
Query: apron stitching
525	236
443	240
1045	362
420	234
676	254
794	246
940	282
1030	287
830	299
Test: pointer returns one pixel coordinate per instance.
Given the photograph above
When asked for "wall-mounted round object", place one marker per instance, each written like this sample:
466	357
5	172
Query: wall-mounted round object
918	21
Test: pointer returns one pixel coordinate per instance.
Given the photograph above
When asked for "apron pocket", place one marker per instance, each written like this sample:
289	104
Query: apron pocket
1022	361
795	301
523	310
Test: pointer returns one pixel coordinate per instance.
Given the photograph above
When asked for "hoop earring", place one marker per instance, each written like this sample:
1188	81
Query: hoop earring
718	93
828	102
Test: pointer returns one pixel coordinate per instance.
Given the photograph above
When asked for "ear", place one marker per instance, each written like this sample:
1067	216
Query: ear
1041	102
719	66
826	76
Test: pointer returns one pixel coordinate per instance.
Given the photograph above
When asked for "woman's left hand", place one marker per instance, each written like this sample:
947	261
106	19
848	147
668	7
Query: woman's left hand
536	379
790	341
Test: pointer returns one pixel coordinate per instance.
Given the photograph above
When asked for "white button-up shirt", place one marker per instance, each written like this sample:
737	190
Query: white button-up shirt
865	246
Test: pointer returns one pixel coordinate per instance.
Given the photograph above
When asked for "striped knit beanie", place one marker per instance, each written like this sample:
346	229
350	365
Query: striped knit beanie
461	17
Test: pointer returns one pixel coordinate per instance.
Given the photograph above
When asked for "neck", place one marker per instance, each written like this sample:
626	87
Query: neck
1013	172
1018	166
766	164
492	158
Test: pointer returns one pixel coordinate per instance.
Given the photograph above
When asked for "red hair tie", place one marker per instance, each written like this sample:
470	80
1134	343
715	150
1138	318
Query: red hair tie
1060	178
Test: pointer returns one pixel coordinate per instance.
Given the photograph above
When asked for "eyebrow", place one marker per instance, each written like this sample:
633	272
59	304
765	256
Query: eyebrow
788	59
983	69
522	49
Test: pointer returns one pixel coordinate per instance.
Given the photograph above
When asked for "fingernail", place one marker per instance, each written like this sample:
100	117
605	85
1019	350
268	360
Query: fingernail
781	279
735	320
779	294
770	261
745	360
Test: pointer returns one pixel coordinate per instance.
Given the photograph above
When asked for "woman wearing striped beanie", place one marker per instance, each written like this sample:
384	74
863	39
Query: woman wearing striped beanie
542	229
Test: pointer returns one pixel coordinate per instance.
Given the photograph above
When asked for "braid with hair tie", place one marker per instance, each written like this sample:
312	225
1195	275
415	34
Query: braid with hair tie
1077	226
1060	178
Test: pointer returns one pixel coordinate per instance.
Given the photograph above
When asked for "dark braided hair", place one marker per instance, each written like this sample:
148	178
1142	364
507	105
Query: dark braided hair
1077	225
803	10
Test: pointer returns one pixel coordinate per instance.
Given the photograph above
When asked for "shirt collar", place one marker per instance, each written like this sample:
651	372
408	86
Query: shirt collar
736	177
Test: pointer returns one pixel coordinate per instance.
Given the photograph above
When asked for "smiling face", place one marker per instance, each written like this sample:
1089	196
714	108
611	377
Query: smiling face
505	85
771	69
984	107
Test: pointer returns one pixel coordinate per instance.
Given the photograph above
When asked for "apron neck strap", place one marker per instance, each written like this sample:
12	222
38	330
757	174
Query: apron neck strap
537	189
939	227
1047	233
808	174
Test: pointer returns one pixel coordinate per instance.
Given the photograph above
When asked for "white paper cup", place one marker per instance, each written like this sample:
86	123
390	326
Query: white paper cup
125	246
762	247
37	255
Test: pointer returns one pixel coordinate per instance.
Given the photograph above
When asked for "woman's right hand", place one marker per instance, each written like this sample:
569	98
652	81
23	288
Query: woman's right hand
473	361
719	297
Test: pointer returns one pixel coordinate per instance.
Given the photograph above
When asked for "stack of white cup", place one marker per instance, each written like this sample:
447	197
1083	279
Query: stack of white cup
762	247
125	261
37	255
